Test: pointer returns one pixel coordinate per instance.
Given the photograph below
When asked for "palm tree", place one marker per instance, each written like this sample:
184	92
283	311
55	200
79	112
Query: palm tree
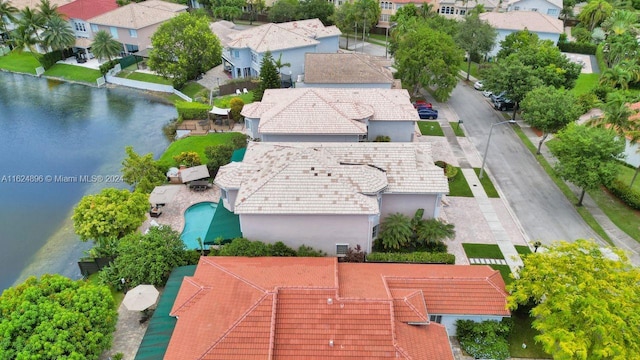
31	23
620	22
395	231
58	34
617	76
104	46
429	231
6	14
594	13
279	65
22	38
48	11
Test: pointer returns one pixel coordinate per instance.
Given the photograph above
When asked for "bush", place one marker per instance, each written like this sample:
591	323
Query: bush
170	129
485	340
218	155
354	255
578	47
625	193
414	257
245	247
587	101
308	251
104	68
49	59
192	110
188	159
450	171
382	138
236	104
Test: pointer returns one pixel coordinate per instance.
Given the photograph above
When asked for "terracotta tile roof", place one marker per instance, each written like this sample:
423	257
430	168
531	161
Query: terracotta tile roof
328	178
281	36
34	4
519	20
346	68
291	308
409	306
328	111
139	15
86	9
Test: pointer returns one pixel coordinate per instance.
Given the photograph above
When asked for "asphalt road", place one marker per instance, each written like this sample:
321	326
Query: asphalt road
543	211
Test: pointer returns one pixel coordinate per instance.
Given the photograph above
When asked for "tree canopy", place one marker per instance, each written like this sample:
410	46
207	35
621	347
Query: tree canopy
269	77
587	156
284	10
586	301
113	213
317	9
143	172
399	231
183	48
549	109
104	46
428	58
475	37
56	318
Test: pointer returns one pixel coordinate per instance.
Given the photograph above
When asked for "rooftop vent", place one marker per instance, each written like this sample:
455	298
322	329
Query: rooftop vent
331	343
329	301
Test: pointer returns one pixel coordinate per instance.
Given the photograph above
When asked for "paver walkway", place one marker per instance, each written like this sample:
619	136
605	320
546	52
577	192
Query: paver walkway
476	261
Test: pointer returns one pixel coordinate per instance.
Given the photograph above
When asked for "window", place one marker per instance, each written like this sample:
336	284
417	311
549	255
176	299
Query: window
79	26
131	48
399	6
516	8
223	194
463	12
254	57
446	10
385	17
341	249
374	231
94	28
552	12
435	318
133	33
236	54
114	32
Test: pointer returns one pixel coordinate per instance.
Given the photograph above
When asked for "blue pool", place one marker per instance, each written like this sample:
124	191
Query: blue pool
197	219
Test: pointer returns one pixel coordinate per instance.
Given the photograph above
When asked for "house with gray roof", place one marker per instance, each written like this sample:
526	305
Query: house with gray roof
331	115
330	196
347	70
133	25
545	26
244	50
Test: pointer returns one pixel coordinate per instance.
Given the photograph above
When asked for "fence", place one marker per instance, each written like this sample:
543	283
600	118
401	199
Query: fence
128	61
92	266
231	87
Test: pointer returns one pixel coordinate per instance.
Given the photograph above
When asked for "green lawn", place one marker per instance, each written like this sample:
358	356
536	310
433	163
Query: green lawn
523	249
464	66
626	218
505	272
523	333
223	101
73	73
585	83
584	213
459	186
193	90
197	144
117	295
483	251
456	128
23	62
487	185
430	128
140	76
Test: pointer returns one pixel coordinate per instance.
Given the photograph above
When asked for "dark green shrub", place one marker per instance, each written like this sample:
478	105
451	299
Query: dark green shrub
49	59
280	249
485	340
578	47
308	251
104	68
354	255
218	155
169	129
625	193
245	247
450	171
587	101
414	257
382	138
192	110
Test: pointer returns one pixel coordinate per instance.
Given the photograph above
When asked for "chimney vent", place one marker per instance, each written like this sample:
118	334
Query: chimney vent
329	301
331	343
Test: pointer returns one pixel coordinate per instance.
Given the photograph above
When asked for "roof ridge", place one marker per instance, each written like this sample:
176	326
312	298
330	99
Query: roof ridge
228	272
490	278
190	300
416	310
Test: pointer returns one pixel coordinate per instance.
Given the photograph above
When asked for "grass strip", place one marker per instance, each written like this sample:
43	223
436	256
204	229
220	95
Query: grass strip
483	251
459	186
487	185
74	73
457	129
430	128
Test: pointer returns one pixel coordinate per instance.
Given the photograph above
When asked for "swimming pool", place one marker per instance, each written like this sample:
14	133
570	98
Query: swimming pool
197	219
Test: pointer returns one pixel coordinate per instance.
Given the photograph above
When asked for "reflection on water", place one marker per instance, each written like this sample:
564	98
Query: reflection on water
48	128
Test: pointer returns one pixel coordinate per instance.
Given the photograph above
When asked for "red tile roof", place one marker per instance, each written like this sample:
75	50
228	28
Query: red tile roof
312	308
86	9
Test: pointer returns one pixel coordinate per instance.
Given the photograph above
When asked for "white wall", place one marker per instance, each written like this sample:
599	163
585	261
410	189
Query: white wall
408	204
632	154
251	127
541	6
322	232
399	131
449	321
309	138
502	34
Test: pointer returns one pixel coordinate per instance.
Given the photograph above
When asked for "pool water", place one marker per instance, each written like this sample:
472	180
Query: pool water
197	219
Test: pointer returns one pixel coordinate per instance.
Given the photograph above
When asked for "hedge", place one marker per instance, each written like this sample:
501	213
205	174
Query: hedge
414	257
625	193
578	48
49	59
192	110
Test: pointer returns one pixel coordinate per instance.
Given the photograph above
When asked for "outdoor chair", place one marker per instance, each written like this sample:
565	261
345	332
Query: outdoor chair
245	91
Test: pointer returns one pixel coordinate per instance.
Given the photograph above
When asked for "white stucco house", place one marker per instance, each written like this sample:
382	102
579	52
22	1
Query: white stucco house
458	9
330	196
545	26
547	7
244	50
347	70
331	115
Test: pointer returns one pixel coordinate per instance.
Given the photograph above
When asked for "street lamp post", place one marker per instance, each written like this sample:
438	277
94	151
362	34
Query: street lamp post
486	149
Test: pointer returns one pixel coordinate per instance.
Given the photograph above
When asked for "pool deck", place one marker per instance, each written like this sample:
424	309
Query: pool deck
173	212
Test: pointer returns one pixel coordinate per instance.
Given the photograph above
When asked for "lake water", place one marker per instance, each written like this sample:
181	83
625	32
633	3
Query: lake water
53	132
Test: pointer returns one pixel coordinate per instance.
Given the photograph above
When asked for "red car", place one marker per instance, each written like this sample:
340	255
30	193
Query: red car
422	104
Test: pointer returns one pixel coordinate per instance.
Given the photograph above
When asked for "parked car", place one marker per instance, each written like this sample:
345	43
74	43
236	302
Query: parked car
498	97
504	104
487	93
427	113
478	85
422	104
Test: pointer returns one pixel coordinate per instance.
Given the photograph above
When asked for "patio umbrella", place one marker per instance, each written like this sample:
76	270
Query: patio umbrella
141	297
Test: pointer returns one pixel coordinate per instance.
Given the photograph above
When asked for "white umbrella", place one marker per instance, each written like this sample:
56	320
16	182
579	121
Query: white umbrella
141	297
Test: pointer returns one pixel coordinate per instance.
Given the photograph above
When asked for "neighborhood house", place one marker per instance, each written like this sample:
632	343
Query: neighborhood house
330	196
347	70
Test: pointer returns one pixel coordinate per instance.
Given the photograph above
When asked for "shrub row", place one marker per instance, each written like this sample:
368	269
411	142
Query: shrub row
49	59
415	257
625	193
245	247
192	110
578	47
485	340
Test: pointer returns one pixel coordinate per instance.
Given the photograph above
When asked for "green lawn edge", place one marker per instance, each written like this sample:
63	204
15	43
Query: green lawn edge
21	62
524	333
459	186
487	185
74	73
457	130
196	144
430	128
483	251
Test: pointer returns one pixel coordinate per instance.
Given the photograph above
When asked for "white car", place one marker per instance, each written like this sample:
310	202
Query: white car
487	93
478	85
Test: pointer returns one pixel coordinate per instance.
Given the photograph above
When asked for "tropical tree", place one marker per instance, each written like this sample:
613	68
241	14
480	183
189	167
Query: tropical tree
317	9
284	10
188	159
58	35
344	19
428	58
586	300
228	9
218	155
56	318
47	11
113	213
143	172
255	7
594	13
621	21
269	77
183	48
587	156
7	14
475	37
549	110
30	23
567	11
431	231
105	46
279	64
619	48
366	13
395	231
617	77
